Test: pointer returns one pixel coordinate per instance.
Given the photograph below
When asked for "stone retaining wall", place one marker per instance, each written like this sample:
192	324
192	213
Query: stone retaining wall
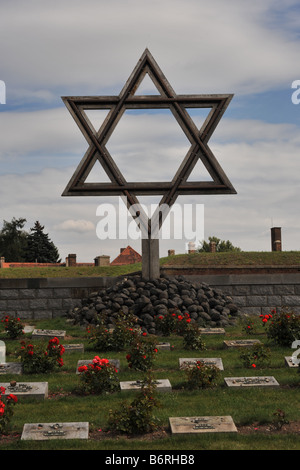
46	298
54	297
258	293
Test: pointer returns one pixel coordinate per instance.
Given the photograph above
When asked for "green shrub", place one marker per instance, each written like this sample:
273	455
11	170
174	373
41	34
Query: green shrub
137	417
249	326
100	376
283	328
142	353
200	375
279	419
192	338
13	327
39	358
173	322
257	355
115	339
6	410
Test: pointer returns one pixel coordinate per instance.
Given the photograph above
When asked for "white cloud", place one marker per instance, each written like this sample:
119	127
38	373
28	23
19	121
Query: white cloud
94	45
84	48
81	226
44	134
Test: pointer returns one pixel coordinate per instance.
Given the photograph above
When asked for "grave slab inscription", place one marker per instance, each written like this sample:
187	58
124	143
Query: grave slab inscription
2	352
241	343
11	368
202	424
74	348
185	362
48	334
162	385
212	331
289	362
46	431
262	381
36	390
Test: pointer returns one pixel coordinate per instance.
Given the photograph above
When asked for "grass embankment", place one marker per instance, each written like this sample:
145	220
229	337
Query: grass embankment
243	258
247	406
79	271
287	258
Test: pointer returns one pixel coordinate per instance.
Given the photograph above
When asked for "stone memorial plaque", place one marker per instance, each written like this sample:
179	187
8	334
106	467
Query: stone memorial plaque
11	368
2	352
202	424
48	334
241	343
74	348
162	385
45	431
28	329
37	390
190	361
212	331
85	362
163	346
263	381
289	362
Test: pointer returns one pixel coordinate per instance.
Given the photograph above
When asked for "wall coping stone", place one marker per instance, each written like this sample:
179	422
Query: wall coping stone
57	282
213	279
244	279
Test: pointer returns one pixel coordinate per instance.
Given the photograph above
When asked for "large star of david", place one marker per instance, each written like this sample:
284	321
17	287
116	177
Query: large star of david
167	98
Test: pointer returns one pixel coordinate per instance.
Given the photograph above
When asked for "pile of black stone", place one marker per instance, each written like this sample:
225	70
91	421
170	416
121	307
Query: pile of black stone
208	307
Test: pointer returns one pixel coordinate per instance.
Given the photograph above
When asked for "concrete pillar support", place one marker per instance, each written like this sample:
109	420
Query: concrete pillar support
150	258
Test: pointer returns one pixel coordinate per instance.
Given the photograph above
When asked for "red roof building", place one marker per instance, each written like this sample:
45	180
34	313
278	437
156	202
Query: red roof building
127	256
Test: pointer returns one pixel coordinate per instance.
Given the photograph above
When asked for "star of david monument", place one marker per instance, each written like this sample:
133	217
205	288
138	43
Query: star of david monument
131	190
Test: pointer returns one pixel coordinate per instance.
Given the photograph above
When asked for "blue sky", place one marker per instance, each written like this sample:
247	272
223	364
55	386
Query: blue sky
68	47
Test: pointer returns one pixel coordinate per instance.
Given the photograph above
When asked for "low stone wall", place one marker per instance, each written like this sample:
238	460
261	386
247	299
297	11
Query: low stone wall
258	293
46	297
54	297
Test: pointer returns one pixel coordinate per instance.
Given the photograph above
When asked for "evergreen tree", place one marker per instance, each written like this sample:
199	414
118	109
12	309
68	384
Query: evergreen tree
221	245
13	240
40	248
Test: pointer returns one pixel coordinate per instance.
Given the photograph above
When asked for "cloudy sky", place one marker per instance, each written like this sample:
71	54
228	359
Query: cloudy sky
82	48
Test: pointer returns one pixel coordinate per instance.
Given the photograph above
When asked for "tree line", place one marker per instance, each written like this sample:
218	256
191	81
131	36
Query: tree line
17	245
220	245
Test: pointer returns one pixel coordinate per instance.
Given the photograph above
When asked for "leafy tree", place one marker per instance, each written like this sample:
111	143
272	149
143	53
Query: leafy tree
13	240
221	245
40	248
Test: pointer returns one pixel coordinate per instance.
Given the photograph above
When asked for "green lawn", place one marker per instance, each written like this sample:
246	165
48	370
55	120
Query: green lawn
246	406
80	271
195	259
243	258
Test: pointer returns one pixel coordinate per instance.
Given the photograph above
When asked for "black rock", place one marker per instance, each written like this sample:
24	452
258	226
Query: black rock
147	299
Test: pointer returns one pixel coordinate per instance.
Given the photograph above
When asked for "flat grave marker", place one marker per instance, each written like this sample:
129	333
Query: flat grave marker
28	329
240	343
11	368
162	385
189	361
46	431
289	362
202	424
36	390
74	347
263	381
164	346
48	334
2	352
85	362
212	331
